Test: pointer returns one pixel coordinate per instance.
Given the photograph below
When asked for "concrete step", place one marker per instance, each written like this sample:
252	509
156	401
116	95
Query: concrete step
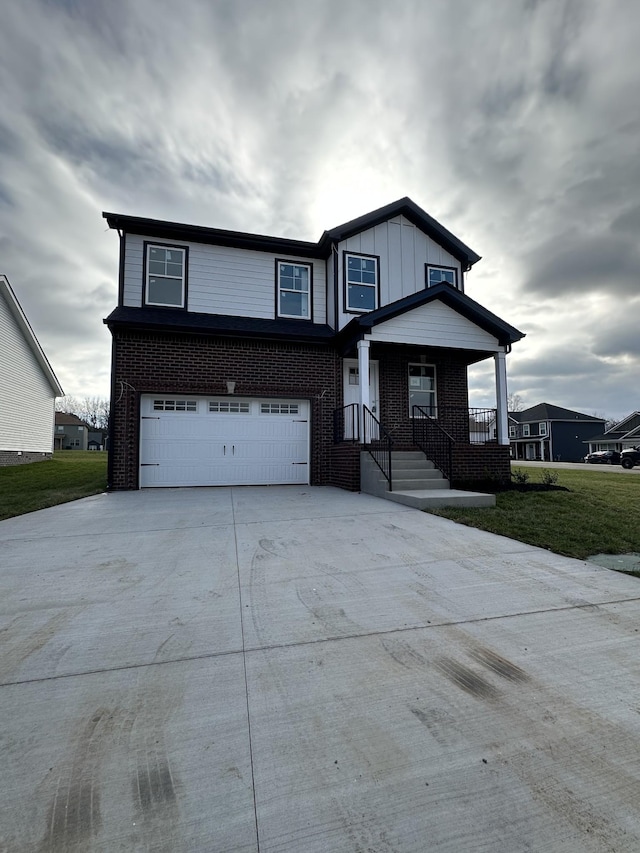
420	484
412	464
435	498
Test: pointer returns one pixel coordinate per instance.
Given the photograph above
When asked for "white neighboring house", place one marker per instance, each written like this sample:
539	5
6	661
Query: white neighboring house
28	387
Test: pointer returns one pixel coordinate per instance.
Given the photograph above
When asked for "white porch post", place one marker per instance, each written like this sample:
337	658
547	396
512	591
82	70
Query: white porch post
502	420
363	382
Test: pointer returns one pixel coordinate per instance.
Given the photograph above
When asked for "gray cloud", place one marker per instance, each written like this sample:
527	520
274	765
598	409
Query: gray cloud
508	121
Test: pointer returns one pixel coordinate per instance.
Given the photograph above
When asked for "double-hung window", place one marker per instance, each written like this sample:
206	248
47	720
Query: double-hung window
166	276
422	390
361	283
542	428
441	275
294	290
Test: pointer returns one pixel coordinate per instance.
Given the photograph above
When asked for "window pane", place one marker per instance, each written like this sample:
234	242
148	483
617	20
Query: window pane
157	254
174	269
156	267
294	304
360	297
165	291
286	269
369	277
354	263
369	265
355	275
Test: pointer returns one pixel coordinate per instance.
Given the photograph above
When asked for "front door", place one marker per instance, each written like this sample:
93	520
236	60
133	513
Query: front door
351	392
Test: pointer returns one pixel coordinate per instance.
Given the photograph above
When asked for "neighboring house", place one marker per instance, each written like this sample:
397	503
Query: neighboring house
624	434
97	439
28	387
71	432
550	433
240	358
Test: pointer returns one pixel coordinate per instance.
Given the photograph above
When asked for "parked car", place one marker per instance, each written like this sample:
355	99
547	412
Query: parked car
630	457
603	457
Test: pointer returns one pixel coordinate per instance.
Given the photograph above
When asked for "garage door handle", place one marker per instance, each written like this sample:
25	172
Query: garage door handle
150	418
147	464
225	449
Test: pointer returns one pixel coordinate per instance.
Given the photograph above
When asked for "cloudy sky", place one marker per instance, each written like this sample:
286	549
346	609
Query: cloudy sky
515	123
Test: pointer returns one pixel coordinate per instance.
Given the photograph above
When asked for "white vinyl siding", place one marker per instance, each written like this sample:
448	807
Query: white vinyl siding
403	250
222	280
26	397
434	324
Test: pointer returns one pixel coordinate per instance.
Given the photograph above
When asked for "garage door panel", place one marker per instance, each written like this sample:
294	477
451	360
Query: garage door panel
211	445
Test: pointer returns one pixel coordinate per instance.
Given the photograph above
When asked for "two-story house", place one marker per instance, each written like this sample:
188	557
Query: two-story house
70	432
620	436
245	359
551	433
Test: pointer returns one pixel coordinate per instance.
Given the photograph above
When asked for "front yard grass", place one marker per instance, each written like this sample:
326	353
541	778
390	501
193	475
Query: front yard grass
70	475
599	514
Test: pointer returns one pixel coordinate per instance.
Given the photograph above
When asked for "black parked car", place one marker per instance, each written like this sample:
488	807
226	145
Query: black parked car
630	457
603	457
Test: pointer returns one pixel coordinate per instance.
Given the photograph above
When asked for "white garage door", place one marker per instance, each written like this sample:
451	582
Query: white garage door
222	441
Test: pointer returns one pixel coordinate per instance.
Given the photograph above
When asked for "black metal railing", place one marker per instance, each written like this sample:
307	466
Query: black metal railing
377	440
433	440
472	426
483	426
346	423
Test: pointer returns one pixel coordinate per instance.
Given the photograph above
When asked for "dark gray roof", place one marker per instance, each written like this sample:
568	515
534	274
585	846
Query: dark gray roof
455	299
548	412
177	320
300	248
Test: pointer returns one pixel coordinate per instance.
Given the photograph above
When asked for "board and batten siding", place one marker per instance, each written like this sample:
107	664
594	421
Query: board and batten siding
403	250
26	398
434	325
223	280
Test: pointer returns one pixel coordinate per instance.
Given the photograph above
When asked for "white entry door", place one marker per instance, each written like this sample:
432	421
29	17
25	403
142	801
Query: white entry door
222	441
351	393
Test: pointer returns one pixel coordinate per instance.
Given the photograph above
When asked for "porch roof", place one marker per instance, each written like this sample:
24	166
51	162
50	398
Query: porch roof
444	293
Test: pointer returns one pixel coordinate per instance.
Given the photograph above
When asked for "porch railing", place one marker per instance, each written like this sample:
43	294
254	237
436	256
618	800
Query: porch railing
346	424
475	426
433	440
377	440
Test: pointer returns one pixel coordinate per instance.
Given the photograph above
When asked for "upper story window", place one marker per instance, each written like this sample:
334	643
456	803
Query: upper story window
512	432
542	428
525	429
438	275
294	290
361	282
165	276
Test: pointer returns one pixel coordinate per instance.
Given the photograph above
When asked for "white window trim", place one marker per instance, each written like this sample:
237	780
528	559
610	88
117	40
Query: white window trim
525	430
542	428
375	286
435	382
148	275
280	289
512	431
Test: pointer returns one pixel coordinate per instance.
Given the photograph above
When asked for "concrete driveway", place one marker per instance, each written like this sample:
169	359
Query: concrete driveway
308	670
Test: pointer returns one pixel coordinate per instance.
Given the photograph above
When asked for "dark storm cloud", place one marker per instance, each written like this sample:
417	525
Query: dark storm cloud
582	263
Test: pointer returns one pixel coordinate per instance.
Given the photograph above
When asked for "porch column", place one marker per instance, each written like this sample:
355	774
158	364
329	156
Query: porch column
363	383
502	420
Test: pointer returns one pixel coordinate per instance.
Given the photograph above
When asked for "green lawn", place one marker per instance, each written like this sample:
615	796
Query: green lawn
600	514
71	474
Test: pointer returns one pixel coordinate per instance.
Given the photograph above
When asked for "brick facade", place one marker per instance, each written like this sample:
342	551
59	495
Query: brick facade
173	363
23	457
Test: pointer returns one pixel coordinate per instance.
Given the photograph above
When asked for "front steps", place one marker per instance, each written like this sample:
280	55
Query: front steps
416	482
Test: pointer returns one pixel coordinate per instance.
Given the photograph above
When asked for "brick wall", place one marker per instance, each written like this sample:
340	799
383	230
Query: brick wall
25	457
480	463
345	466
191	364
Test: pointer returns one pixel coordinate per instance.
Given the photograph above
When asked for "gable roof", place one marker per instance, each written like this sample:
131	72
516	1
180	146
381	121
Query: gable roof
28	334
301	248
67	419
455	299
549	412
408	208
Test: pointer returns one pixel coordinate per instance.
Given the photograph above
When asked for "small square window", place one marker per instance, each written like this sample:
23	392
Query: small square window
441	275
361	283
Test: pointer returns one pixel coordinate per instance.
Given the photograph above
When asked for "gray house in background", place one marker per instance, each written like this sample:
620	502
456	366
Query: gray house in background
28	387
624	434
550	433
71	432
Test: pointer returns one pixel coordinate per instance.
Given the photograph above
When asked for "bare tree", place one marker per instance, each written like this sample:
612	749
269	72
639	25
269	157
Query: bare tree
94	411
515	403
